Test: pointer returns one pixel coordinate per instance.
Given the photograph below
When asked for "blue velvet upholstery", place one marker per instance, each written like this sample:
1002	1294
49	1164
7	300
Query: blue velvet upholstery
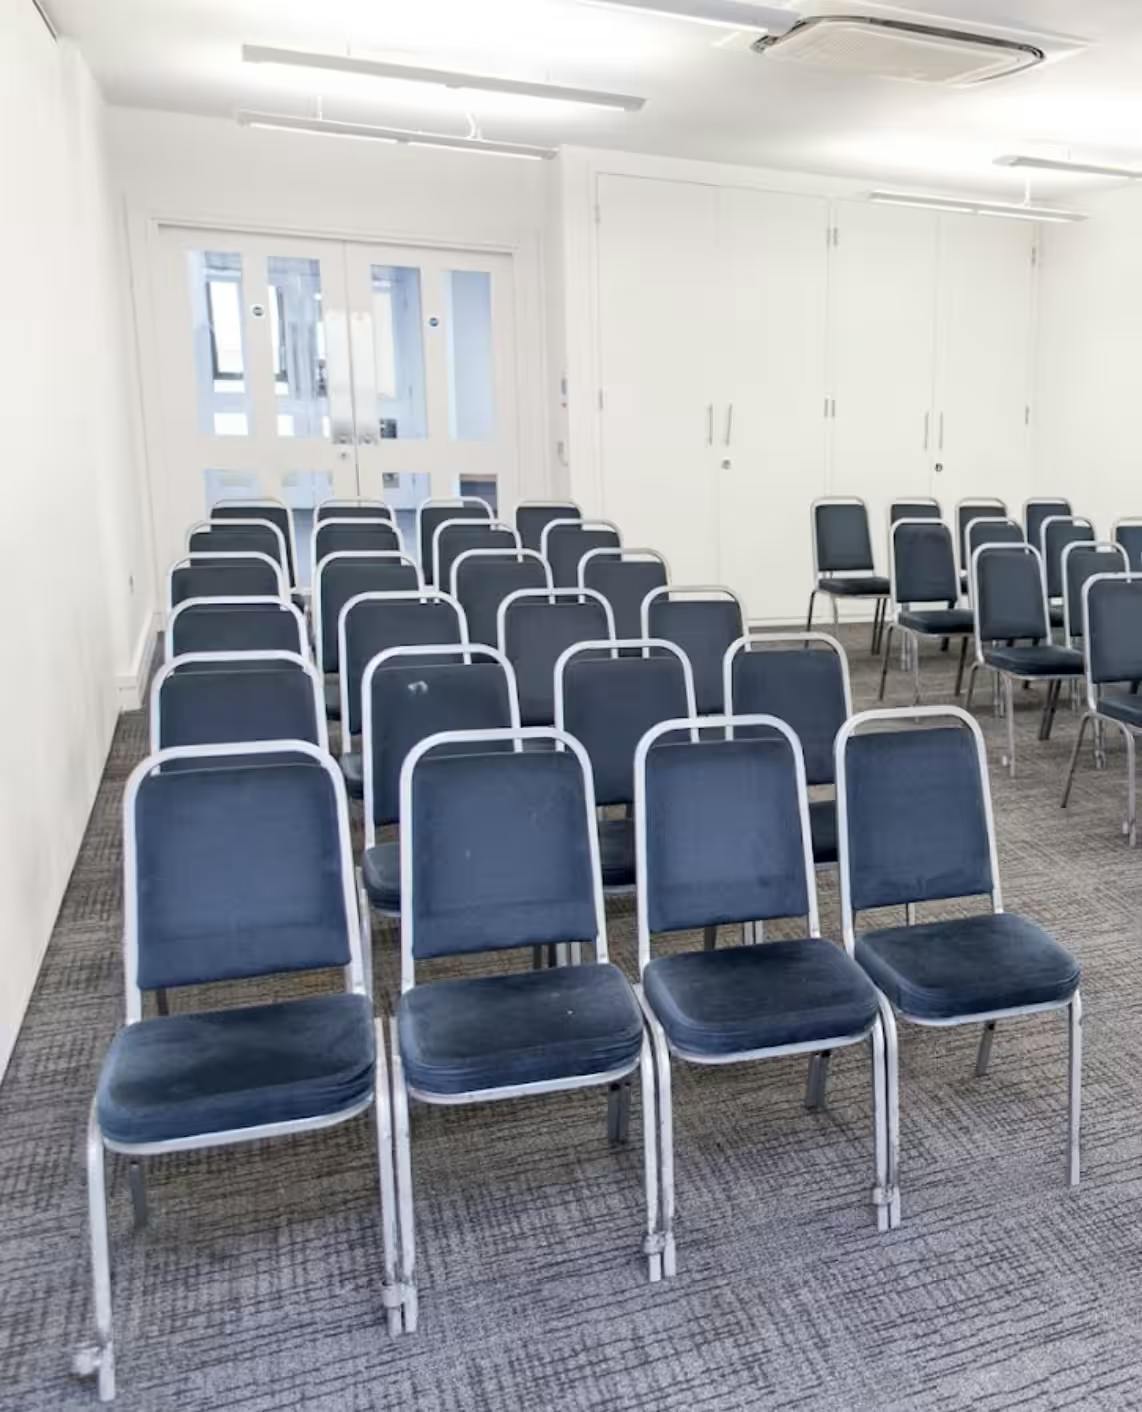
843	544
1114	622
859	586
704	628
913	510
610	703
536	633
279	515
330	538
239	873
269	701
353	769
1122	705
1039	660
938	622
823	828
1083	563
232	627
460	1036
343	579
500	852
238	539
431	517
974	511
917	828
532	520
218	578
1057	537
188	1074
453	541
483	584
353	512
380	872
567	544
993	531
1130	537
723	842
624	583
374	625
805	689
742	998
925	564
967	966
1039	510
616	852
1010	598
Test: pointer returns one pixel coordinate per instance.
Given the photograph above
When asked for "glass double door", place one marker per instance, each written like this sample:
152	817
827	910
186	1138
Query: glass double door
309	369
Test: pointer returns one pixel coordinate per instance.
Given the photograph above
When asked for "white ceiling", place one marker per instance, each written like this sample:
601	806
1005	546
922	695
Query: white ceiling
706	99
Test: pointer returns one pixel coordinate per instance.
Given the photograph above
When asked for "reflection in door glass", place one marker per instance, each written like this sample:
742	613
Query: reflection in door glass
482	486
297	346
219	356
403	491
399	352
230	485
471	398
303	491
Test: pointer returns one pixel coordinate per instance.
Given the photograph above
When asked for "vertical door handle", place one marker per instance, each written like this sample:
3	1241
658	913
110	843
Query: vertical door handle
709	424
729	423
927	420
941	431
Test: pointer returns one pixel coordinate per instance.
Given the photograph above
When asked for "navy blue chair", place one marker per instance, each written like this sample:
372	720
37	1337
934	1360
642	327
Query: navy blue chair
335	536
533	516
564	542
624	577
452	537
843	566
1035	511
1081	560
608	695
477	876
981	507
722	837
234	872
483	578
356	509
771	674
225	575
988	529
922	507
1056	533
924	590
235	625
534	626
1013	631
432	513
703	620
407	694
239	536
277	512
1112	663
916	827
339	577
1128	533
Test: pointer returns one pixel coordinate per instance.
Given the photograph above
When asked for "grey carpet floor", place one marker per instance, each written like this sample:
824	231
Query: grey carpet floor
256	1284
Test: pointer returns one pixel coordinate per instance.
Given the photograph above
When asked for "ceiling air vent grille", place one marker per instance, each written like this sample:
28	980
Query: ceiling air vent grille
862	45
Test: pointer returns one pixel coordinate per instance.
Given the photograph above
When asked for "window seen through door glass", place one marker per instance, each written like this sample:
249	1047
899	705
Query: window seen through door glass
216	305
471	375
297	345
398	334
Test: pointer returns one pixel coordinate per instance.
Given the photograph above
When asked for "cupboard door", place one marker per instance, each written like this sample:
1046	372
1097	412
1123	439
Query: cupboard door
770	426
656	289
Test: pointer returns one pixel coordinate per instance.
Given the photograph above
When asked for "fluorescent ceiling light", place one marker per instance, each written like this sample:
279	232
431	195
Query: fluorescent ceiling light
284	122
977	208
1050	164
445	78
728	14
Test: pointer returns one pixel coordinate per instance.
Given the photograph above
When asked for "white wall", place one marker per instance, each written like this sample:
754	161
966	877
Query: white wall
71	536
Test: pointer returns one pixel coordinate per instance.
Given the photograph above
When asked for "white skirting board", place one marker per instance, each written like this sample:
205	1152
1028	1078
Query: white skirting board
132	685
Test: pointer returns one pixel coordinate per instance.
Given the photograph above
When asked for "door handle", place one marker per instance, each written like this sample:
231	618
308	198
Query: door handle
927	420
941	447
729	423
709	424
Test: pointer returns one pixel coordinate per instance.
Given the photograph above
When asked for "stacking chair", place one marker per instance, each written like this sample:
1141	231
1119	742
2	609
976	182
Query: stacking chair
339	577
703	620
923	572
624	577
370	623
843	565
215	698
1128	533
225	576
1013	631
476	876
533	516
432	513
564	542
771	674
1112	652
1035	511
1081	560
921	507
353	509
1055	534
358	534
235	625
988	529
534	626
722	836
483	578
234	872
276	511
916	826
234	536
452	537
981	507
608	695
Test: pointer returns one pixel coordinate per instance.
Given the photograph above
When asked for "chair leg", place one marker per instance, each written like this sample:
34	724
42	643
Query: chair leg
1075	759
98	1359
162	1002
971	684
653	1241
963	664
137	1182
809	614
386	1182
983	1054
661	1054
886	653
618	1113
1009	693
1130	827
1075	1087
877	626
405	1219
914	643
366	915
710	938
886	1119
816	1081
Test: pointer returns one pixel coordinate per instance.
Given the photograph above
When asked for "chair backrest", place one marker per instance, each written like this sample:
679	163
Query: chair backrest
239	536
483	578
772	674
534	626
476	873
841	542
914	820
981	507
923	563
704	627
353	510
1035	511
433	512
1008	597
608	695
533	516
276	511
1056	532
923	507
343	575
722	829
1082	561
371	622
235	625
1112	611
225	576
219	698
336	536
453	537
243	869
990	529
1128	533
624	577
564	542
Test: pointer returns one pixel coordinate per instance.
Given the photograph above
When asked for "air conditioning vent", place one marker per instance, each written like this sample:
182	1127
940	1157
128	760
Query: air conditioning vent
918	53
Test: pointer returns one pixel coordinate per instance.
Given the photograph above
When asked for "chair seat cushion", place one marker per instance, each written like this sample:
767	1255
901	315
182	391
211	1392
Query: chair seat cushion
1122	705
967	966
823	827
461	1036
182	1075
741	998
858	586
353	768
940	622
380	872
616	852
1044	660
333	699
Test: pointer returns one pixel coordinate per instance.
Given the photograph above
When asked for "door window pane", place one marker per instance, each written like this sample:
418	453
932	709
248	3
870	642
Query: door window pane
216	306
398	334
471	379
297	346
303	491
484	487
403	491
230	485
